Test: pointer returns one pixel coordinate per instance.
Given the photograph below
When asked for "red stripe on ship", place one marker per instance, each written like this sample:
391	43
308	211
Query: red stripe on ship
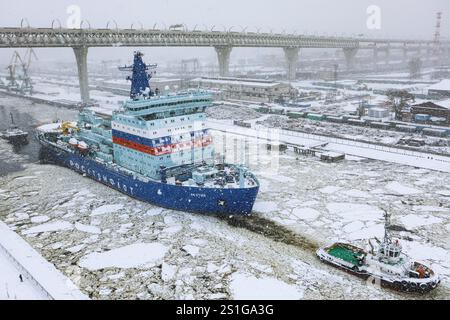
167	149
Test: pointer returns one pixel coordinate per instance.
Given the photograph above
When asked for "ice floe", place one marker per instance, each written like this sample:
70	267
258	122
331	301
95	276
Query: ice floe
87	228
39	219
249	287
265	206
412	221
355	211
329	189
401	189
58	225
192	250
305	213
131	256
107	208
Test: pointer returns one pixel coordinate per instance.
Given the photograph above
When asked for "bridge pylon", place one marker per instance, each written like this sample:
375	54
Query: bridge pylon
223	55
350	54
405	55
291	55
81	57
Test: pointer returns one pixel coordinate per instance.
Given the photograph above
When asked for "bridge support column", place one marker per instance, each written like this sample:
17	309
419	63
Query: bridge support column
350	54
387	56
81	57
405	55
223	54
429	54
375	56
291	55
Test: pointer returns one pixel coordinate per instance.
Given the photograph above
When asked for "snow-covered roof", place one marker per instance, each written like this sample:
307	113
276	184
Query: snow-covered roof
444	103
238	81
49	127
102	111
443	85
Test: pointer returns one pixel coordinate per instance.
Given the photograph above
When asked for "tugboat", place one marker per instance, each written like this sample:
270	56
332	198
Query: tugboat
388	264
14	135
156	148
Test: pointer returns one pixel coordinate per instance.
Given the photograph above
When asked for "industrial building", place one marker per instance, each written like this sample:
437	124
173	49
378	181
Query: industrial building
122	87
430	112
440	89
378	113
246	89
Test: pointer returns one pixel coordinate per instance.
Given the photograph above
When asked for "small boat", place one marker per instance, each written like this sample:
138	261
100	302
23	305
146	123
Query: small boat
14	134
388	265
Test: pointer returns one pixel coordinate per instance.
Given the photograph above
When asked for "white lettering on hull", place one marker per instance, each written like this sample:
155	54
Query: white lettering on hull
100	177
198	195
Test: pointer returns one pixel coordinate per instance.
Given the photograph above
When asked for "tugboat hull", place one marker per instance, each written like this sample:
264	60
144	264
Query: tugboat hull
16	139
408	285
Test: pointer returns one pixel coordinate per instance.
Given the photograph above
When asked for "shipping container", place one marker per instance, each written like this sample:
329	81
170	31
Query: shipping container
315	116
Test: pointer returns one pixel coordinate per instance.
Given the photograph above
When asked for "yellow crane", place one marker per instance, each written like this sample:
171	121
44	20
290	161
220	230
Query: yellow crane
67	127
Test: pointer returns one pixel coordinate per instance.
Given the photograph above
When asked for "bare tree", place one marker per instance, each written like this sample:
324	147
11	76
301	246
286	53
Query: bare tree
399	100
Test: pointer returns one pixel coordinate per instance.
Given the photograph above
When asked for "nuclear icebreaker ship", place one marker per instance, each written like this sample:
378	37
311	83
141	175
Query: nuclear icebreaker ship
155	148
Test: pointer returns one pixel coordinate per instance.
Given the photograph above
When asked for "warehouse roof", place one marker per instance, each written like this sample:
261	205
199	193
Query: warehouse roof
239	81
443	85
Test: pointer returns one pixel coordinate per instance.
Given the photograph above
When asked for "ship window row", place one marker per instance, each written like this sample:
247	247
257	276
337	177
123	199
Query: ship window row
181	112
154	132
142	166
168	104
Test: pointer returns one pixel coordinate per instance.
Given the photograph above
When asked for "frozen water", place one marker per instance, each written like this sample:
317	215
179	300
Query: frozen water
192	250
107	208
58	225
412	221
87	228
306	213
265	206
355	211
400	189
131	256
248	287
329	189
39	219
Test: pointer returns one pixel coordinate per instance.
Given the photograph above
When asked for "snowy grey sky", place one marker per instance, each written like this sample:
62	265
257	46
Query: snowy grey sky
399	18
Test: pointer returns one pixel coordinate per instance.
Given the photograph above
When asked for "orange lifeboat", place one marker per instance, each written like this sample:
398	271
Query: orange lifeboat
83	147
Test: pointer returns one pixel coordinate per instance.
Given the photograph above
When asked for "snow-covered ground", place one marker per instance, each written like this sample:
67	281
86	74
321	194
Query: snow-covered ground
10	285
359	149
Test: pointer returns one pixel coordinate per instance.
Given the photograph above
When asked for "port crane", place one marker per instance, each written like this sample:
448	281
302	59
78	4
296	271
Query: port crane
20	82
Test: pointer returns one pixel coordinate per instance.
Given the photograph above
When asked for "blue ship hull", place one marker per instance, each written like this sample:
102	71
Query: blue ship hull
237	201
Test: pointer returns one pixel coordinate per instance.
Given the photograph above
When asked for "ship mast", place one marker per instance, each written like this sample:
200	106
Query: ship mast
387	225
140	78
389	250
